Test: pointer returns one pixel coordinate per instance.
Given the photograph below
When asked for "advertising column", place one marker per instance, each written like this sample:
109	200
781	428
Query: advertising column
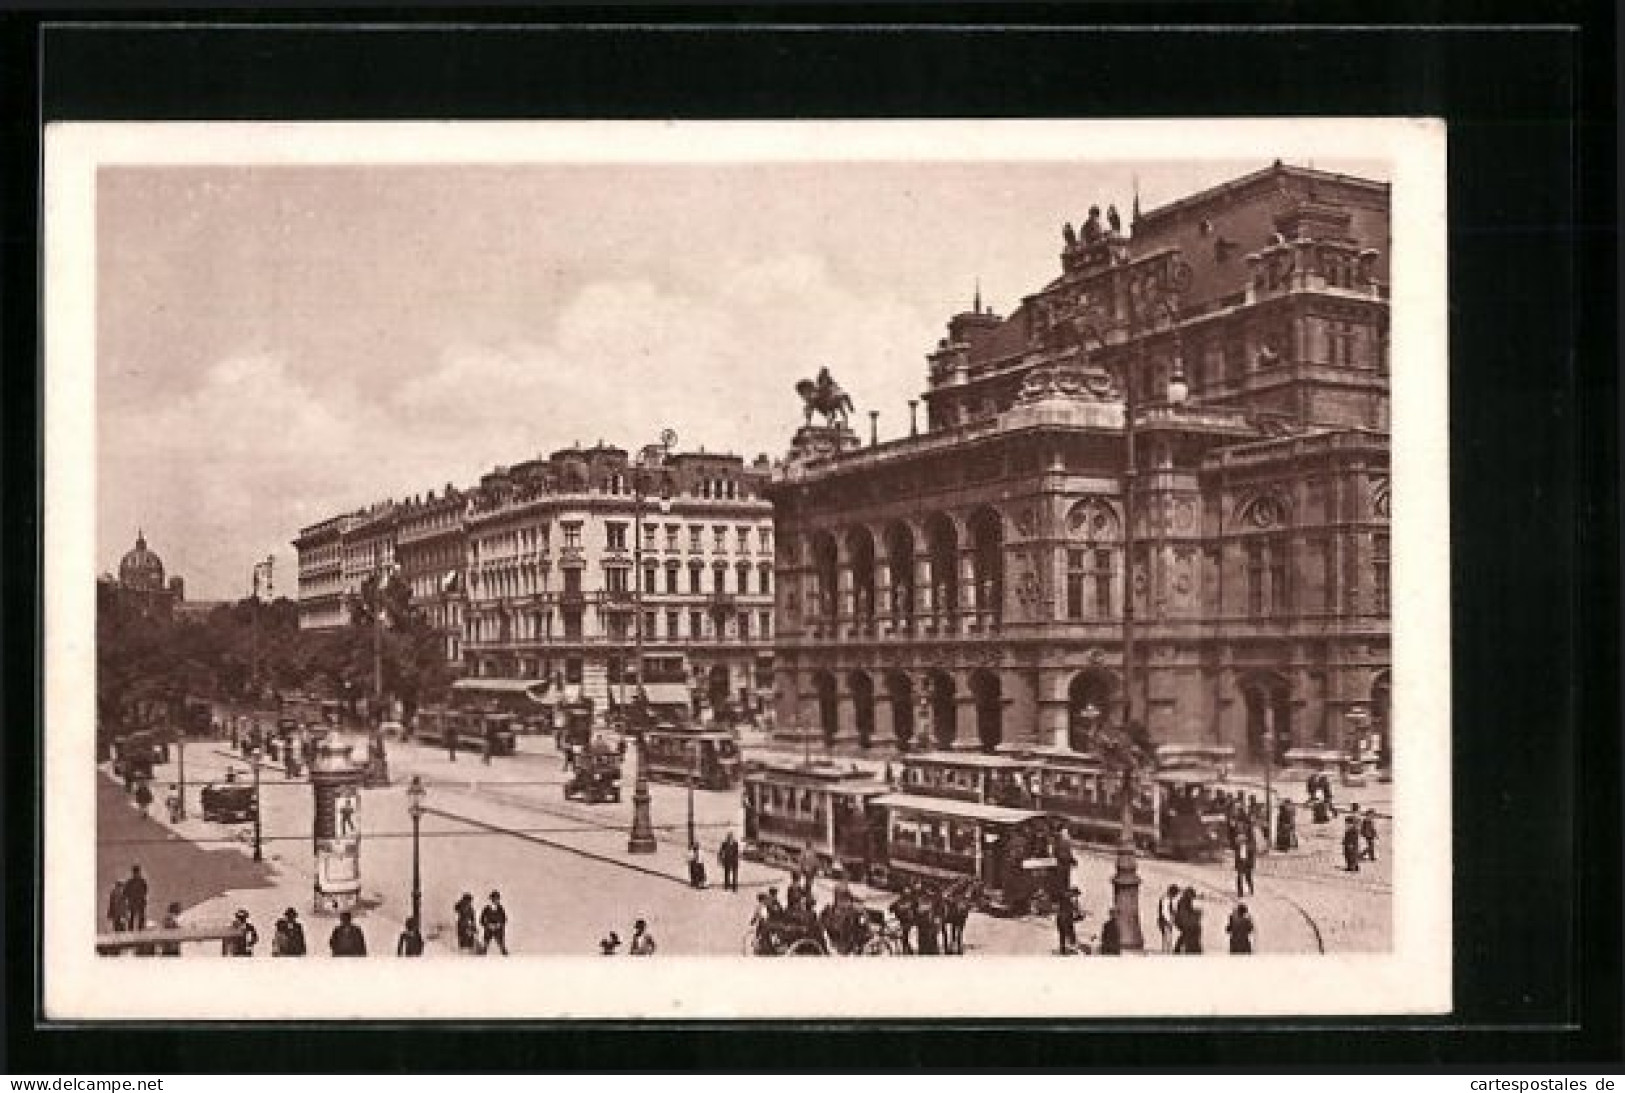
336	779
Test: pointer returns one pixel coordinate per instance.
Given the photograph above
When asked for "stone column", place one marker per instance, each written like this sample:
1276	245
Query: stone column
845	604
884	621
924	600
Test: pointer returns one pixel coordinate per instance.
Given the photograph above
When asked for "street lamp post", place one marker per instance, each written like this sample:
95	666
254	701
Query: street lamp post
693	763
414	808
254	761
1126	878
642	838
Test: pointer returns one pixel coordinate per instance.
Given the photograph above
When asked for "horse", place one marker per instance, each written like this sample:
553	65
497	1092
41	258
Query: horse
959	899
824	396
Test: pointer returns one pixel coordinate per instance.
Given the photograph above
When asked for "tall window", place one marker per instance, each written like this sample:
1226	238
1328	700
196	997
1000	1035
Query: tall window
764	580
696	624
1379	573
764	623
1091	563
744	626
671	579
743	535
671	536
615	580
1269	585
694	579
649	533
615	535
572	534
719	537
764	540
719	578
649	624
572	581
743	572
649	588
694	532
671	625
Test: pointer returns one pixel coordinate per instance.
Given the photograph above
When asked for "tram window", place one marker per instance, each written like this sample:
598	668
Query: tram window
962	838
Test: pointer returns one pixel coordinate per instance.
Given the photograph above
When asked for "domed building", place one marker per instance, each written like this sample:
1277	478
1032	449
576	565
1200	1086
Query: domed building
141	581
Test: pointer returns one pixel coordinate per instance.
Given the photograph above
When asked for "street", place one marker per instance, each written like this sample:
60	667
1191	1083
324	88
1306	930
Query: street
567	880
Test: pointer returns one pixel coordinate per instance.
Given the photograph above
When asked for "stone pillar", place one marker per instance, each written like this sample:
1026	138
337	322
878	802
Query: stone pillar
965	735
924	603
971	608
846	600
884	621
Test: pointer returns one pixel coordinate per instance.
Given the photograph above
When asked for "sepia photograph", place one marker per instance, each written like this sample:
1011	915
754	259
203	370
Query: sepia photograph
961	553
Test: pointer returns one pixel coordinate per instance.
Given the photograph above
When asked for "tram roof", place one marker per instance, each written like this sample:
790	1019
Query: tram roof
492	685
964	759
834	779
969	810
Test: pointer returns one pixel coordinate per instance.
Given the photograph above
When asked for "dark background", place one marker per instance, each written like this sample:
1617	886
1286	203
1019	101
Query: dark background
1534	413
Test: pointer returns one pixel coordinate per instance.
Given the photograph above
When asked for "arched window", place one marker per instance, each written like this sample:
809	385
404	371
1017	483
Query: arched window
1093	554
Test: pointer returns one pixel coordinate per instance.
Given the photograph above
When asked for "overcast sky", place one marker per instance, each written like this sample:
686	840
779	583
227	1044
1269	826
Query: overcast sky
280	344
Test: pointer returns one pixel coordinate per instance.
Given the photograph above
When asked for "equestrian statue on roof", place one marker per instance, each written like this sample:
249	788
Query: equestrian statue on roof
824	396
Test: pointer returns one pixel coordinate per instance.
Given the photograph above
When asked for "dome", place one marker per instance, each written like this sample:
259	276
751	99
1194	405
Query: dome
141	568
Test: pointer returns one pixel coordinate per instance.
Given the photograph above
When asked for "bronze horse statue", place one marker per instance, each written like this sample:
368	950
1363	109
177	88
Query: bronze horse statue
824	396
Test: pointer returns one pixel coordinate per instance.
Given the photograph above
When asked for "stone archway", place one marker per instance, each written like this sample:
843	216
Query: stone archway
825	567
942	541
1267	698
1092	700
828	711
988	691
987	552
860	548
862	688
901	692
900	564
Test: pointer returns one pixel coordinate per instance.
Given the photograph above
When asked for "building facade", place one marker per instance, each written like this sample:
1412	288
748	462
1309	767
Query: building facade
966	586
557	575
320	549
537	572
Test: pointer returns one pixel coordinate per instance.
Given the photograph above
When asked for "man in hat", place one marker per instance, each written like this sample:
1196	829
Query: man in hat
1351	845
494	925
347	938
728	858
1067	915
243	937
135	899
289	938
1368	832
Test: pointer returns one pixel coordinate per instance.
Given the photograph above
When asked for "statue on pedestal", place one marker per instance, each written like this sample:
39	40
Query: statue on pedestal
824	396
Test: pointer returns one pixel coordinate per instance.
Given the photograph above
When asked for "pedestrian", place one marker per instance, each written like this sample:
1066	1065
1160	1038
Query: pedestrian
728	858
643	942
448	735
1165	916
1065	859
143	796
1067	914
135	899
172	921
467	935
696	867
611	945
410	943
172	801
1351	845
1111	935
928	925
347	938
903	909
1240	928
118	908
810	864
1246	851
488	744
288	938
1368	832
243	937
494	926
775	908
1286	835
1188	924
